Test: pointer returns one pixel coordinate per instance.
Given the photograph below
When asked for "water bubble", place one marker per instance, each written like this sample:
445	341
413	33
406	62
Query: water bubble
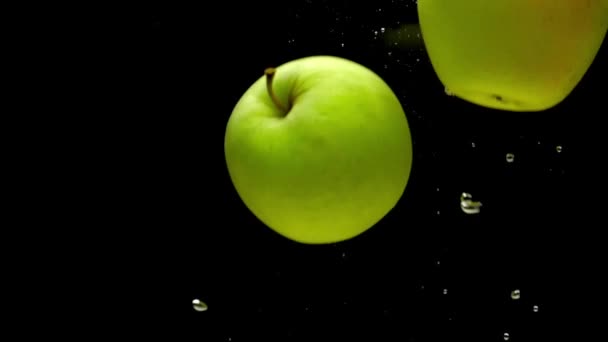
535	308
198	305
467	204
342	44
390	53
473	145
505	336
558	148
382	29
510	157
417	59
445	291
515	294
375	33
385	66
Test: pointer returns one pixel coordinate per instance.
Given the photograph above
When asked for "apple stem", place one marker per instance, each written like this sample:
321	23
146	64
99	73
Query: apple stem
269	72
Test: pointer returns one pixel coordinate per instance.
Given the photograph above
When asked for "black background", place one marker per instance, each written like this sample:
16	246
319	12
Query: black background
534	232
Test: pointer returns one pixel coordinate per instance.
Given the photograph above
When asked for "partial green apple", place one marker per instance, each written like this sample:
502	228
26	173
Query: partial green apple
319	149
516	55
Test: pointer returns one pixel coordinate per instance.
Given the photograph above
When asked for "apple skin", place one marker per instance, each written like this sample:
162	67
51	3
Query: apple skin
334	165
515	55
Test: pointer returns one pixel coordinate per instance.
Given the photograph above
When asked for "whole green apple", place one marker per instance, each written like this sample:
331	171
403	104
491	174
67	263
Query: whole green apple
319	149
517	55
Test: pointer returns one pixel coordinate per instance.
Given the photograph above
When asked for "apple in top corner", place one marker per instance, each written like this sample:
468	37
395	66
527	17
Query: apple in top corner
515	55
319	149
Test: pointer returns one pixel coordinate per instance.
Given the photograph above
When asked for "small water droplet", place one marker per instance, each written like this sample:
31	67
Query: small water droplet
382	29
558	148
535	308
199	305
505	336
343	255
445	291
515	294
448	92
467	204
438	212
473	145
437	189
342	44
510	157
417	59
390	53
385	66
438	262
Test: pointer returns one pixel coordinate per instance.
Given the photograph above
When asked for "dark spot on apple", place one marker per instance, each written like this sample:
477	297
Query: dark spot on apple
497	97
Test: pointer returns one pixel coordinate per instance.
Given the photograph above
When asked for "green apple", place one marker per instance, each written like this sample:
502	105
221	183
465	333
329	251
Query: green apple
516	55
319	149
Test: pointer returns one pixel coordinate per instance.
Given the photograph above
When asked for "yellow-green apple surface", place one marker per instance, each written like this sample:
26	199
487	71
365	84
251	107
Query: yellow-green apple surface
319	149
516	55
